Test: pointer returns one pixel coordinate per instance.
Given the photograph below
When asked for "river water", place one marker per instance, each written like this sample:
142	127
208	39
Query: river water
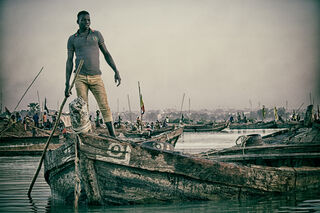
16	174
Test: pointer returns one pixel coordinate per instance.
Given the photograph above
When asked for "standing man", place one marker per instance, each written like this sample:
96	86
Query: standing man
85	43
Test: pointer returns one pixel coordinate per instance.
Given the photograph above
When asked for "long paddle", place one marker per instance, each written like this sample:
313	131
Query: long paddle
5	129
27	90
54	128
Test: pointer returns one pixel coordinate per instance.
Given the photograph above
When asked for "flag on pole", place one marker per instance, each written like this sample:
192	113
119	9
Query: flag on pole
276	117
141	101
45	105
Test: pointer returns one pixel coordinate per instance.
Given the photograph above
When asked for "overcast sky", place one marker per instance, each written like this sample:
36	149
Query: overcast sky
219	53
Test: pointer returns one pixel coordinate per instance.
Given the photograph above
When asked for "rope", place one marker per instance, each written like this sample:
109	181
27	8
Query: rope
83	129
243	139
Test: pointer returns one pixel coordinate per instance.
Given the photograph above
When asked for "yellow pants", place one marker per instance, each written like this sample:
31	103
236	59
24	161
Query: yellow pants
95	84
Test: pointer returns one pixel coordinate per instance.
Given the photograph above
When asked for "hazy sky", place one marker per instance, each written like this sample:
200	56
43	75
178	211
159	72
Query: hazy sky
219	53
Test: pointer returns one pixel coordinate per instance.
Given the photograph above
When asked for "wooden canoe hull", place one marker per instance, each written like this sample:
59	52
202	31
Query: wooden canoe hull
268	125
148	134
204	128
115	172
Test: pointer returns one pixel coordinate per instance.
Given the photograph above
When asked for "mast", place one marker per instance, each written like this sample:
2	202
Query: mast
142	110
39	101
130	115
28	89
40	113
1	102
182	105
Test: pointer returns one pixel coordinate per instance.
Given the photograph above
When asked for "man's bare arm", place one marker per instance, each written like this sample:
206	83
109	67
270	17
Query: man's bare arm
69	66
111	63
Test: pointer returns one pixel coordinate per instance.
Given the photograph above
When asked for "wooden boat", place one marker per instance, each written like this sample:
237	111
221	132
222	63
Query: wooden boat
28	140
34	146
116	172
147	133
23	150
163	141
290	147
258	125
204	128
293	155
16	135
112	171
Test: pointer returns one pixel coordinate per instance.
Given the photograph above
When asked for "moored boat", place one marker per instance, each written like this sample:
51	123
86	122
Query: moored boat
257	125
147	133
205	127
109	171
121	172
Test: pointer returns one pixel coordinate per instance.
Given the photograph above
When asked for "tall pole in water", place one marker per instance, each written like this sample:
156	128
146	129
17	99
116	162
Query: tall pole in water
40	114
130	115
39	100
28	89
189	106
286	109
54	128
182	105
1	102
141	105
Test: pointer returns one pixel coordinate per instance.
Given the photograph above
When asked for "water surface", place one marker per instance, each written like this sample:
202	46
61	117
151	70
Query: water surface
16	174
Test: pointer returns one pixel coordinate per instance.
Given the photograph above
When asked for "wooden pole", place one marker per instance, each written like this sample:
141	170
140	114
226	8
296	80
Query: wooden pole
129	108
27	89
182	105
54	128
1	102
40	111
140	98
310	98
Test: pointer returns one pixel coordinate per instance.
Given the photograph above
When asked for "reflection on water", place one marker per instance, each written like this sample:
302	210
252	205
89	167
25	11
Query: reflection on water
16	174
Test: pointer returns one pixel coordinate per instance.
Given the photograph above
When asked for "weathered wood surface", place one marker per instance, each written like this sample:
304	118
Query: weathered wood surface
274	160
204	128
267	125
12	141
267	149
294	155
141	175
30	150
59	170
127	173
297	135
169	138
147	134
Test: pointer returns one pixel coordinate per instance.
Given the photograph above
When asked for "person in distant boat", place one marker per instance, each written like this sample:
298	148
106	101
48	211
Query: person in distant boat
85	44
139	124
45	119
36	120
25	123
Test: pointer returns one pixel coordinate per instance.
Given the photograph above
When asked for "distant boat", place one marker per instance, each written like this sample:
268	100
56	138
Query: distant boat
204	127
147	133
257	125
